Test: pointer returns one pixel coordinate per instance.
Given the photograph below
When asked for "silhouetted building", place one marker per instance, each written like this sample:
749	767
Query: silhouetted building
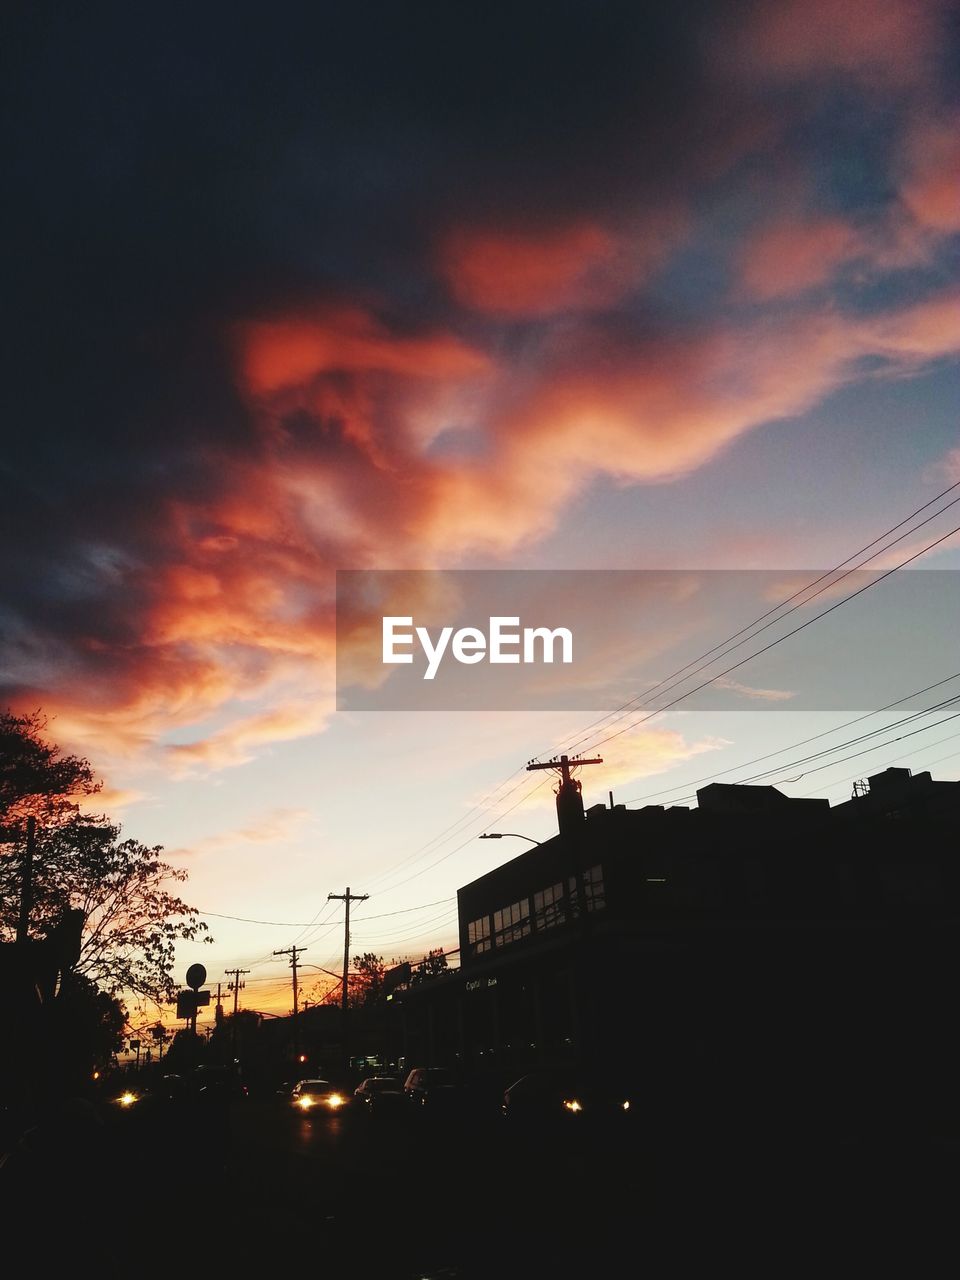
754	939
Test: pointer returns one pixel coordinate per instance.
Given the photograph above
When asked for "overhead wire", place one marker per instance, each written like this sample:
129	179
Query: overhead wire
597	743
670	681
619	713
792	764
712	777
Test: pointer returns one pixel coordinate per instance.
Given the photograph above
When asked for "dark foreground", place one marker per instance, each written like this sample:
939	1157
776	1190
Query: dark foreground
250	1188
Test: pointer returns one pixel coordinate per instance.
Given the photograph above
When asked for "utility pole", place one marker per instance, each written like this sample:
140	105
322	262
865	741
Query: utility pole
235	986
569	804
346	899
571	824
564	766
26	882
293	952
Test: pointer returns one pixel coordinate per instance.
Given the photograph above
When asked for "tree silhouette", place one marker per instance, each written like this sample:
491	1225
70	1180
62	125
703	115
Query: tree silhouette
433	963
366	982
133	918
36	779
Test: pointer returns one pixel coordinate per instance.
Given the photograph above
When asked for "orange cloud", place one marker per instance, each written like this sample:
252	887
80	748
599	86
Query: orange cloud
531	274
238	615
238	742
291	351
108	799
788	257
755	694
931	187
527	273
651	413
275	827
915	334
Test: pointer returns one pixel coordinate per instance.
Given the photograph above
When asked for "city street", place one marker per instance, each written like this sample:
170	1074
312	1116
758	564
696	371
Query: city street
464	1197
407	1196
253	1188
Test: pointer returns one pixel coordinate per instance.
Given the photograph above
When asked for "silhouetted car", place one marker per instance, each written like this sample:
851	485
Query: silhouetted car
317	1095
379	1095
432	1087
558	1097
222	1083
173	1088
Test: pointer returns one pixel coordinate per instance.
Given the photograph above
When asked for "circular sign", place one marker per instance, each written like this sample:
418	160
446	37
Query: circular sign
196	976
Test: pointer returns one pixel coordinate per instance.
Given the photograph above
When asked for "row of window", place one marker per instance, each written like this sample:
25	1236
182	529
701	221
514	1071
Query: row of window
550	907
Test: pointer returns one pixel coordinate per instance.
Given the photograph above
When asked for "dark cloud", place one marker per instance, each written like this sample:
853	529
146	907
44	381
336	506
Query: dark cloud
454	188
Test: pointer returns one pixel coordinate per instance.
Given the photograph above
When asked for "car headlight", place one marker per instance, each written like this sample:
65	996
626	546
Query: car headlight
572	1104
305	1102
127	1099
335	1100
626	1105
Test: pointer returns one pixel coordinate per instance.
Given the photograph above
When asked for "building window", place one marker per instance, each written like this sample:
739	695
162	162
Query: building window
593	889
478	935
548	907
511	923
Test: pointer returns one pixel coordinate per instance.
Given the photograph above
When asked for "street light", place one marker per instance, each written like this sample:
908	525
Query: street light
498	835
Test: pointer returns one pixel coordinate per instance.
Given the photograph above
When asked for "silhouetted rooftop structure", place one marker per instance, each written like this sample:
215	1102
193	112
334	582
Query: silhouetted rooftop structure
754	920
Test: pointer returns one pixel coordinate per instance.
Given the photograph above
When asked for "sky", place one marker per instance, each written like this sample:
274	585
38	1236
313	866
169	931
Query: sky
423	286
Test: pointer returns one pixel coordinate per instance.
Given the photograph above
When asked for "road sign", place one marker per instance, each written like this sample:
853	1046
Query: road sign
196	976
186	1004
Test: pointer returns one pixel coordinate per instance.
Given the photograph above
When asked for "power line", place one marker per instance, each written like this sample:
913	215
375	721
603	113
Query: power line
900	738
420	931
651	795
613	716
296	924
618	713
292	952
495	818
950	737
479	807
861	737
792	764
780	639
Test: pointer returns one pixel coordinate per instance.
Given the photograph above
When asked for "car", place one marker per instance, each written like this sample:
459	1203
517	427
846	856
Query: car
130	1097
432	1086
173	1087
379	1094
555	1098
210	1082
319	1095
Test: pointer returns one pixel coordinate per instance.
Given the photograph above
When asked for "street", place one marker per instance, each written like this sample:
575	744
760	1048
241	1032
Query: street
465	1197
253	1188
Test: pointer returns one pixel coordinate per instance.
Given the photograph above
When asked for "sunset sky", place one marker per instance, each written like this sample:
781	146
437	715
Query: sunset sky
419	286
